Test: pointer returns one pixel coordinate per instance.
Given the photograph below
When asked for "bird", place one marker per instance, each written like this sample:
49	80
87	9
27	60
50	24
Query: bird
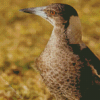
70	70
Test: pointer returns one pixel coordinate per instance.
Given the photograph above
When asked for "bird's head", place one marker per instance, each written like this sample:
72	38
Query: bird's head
55	13
60	15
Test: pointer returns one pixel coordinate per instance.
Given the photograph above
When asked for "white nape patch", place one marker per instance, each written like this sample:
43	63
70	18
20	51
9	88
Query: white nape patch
39	11
74	30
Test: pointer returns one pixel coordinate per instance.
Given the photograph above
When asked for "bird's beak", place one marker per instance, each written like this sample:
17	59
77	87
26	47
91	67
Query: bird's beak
37	11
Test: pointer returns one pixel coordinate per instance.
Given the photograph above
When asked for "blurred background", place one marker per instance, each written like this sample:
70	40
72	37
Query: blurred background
24	36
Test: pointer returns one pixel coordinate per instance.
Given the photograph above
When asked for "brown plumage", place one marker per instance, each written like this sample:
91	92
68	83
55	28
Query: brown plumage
68	67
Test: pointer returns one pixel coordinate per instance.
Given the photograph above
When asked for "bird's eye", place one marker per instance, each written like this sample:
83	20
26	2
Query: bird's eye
52	12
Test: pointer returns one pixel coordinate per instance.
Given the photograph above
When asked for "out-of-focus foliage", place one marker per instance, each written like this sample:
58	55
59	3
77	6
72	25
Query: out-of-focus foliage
23	37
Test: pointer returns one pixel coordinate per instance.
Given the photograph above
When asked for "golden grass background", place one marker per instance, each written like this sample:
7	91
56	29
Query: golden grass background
24	36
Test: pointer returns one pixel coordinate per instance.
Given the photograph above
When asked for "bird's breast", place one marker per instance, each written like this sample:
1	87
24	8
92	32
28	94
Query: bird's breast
60	70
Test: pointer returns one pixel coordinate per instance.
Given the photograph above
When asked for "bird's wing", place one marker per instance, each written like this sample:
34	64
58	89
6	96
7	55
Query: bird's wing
87	55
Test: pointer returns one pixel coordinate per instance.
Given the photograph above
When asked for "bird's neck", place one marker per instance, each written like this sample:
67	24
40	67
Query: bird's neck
67	33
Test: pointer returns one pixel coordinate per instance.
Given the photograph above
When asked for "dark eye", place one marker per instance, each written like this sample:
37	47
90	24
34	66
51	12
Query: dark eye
52	12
